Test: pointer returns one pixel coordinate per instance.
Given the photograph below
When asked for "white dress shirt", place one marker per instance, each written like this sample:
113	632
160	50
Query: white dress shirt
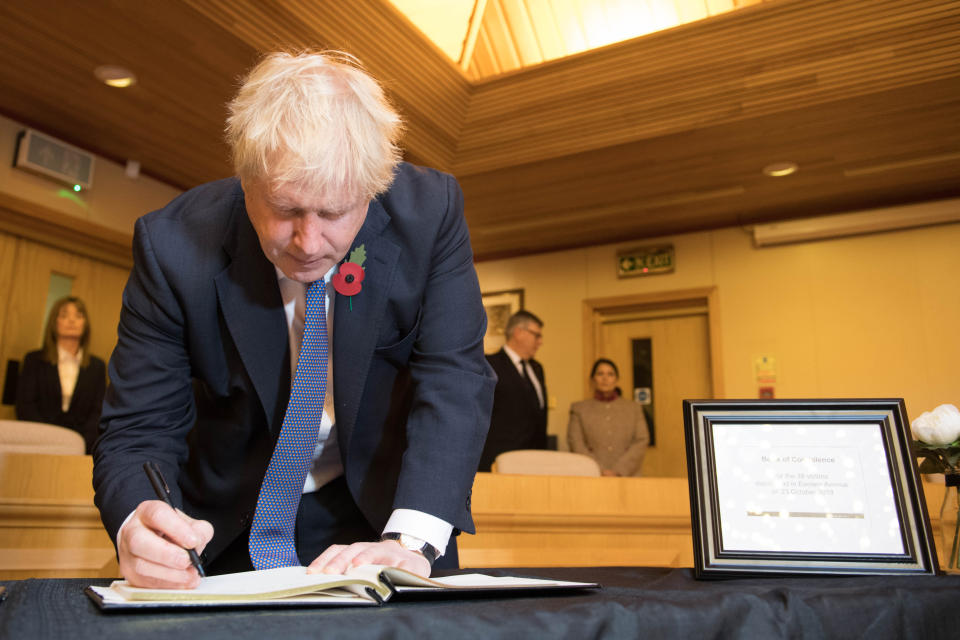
520	364
327	464
68	366
326	457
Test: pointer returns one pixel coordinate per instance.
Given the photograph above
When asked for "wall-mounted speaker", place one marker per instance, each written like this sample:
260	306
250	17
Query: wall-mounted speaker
46	156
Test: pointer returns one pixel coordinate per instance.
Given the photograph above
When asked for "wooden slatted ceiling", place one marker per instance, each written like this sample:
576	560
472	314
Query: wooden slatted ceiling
189	56
662	134
753	62
166	122
516	34
695	180
429	90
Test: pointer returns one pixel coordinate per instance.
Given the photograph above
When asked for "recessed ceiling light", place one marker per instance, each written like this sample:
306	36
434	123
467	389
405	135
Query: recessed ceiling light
780	169
115	76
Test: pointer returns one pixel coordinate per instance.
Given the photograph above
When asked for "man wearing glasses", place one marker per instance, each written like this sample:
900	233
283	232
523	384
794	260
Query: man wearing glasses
519	419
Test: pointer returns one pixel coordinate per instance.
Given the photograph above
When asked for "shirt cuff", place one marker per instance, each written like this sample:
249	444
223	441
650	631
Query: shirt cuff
421	525
121	529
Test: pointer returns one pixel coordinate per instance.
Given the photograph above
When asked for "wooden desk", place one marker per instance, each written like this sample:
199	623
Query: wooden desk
49	526
554	521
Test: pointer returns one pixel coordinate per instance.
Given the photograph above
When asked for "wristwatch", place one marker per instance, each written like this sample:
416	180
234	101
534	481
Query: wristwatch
413	543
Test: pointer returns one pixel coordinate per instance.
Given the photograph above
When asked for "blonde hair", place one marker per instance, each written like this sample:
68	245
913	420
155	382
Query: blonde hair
315	119
50	353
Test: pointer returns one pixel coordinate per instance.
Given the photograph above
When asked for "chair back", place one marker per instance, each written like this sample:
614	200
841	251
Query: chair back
546	463
21	436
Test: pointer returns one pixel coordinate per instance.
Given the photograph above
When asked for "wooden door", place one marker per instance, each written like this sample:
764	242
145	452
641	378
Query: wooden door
680	358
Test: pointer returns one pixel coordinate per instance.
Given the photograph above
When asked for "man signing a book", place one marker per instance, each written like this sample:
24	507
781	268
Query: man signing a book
300	349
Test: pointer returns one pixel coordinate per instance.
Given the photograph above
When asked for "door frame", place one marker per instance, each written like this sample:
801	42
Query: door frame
594	308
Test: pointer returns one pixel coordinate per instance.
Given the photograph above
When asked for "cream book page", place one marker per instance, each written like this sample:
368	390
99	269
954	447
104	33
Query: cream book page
294	584
407	582
283	582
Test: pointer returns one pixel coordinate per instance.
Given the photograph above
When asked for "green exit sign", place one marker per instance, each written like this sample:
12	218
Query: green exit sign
645	261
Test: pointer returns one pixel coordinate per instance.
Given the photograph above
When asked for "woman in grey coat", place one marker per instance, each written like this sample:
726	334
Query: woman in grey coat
611	430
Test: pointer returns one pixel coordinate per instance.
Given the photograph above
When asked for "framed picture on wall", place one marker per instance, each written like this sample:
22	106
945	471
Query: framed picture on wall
799	487
499	305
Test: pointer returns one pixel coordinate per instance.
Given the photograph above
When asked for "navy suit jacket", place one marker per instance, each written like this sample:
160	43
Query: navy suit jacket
200	377
40	398
518	421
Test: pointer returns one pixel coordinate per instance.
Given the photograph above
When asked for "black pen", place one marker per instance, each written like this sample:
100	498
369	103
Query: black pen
163	492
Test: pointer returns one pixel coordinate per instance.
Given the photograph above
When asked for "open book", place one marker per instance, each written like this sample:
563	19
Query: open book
293	586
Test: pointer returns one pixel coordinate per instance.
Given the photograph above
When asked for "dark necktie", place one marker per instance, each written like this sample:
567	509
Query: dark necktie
272	532
529	378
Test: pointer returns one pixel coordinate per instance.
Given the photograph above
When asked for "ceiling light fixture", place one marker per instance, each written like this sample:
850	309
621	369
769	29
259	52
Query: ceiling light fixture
115	76
780	169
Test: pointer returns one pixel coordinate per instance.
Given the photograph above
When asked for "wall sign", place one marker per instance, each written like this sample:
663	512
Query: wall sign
645	261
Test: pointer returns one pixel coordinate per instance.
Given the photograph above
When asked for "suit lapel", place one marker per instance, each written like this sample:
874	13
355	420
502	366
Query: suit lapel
530	393
356	322
250	301
51	376
79	390
538	371
509	365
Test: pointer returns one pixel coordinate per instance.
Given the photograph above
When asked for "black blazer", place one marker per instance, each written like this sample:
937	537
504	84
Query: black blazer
39	398
200	377
517	421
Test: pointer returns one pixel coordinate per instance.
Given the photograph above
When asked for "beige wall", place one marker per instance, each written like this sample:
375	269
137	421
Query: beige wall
115	201
866	316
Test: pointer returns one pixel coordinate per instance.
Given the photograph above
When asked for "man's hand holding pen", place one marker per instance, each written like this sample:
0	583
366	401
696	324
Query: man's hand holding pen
153	546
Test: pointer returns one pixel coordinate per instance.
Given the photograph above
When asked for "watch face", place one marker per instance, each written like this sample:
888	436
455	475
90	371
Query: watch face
411	543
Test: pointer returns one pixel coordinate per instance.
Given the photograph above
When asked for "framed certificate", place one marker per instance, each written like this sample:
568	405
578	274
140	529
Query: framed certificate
788	487
499	305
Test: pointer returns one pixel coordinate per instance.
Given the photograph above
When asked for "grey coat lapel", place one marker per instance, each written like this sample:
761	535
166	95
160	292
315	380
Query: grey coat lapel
355	329
252	308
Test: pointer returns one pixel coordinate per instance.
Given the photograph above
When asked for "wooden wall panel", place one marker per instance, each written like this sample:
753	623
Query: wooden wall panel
35	242
8	256
550	521
99	285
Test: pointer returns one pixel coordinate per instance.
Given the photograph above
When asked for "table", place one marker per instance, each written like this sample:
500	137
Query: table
635	602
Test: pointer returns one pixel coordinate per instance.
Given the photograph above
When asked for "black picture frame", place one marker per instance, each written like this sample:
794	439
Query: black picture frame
499	306
884	423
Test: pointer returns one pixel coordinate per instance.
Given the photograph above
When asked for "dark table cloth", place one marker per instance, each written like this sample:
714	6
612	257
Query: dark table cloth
634	603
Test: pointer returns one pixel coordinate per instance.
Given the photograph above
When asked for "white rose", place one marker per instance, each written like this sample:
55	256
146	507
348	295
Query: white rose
937	427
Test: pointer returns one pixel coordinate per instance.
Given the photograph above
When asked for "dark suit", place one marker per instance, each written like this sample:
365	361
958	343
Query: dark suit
518	421
39	397
201	376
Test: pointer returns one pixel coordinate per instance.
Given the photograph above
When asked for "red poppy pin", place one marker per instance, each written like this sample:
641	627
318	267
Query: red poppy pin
350	274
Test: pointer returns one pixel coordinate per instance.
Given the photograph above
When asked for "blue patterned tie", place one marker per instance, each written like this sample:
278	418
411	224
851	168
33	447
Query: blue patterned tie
272	532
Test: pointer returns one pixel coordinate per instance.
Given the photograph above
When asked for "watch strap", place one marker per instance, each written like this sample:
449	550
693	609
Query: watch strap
425	549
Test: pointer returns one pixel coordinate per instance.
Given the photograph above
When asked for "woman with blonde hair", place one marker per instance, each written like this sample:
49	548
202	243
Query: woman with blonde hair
611	430
62	383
